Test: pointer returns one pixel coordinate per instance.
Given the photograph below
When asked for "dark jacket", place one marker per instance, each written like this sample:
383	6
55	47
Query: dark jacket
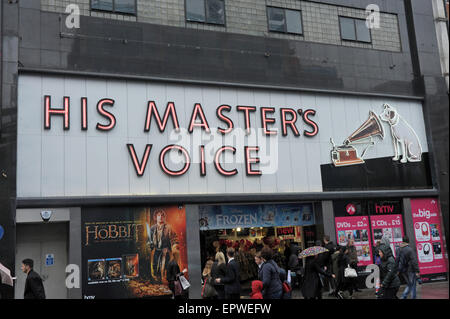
352	256
173	270
34	289
312	285
269	274
388	269
342	262
293	262
231	279
218	271
324	259
406	260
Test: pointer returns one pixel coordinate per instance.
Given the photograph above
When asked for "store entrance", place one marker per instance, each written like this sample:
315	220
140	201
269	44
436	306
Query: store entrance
292	226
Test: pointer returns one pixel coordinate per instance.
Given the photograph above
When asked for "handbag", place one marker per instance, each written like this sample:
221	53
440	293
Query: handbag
208	290
350	272
286	287
184	282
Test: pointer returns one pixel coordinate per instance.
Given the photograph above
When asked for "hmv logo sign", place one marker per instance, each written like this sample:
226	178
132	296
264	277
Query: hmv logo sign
384	209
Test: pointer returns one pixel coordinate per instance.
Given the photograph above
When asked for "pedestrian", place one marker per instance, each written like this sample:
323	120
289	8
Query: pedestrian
232	286
327	263
218	270
312	285
335	270
293	265
34	289
408	267
208	291
288	252
345	284
353	263
390	283
173	272
376	257
269	274
257	287
258	260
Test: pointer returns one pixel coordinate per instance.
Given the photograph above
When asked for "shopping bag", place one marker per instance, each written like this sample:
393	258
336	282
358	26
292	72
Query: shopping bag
178	288
350	272
184	282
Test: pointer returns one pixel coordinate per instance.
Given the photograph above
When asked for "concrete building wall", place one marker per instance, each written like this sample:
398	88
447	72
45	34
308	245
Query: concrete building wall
320	21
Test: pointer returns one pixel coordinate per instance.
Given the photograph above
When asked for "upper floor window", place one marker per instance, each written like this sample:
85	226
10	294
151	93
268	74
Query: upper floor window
354	30
207	11
115	6
285	20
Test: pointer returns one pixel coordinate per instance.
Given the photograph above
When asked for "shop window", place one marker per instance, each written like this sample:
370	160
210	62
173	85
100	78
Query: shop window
116	6
206	11
285	20
354	30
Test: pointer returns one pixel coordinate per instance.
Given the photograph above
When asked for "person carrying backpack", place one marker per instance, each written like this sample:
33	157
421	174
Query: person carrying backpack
408	267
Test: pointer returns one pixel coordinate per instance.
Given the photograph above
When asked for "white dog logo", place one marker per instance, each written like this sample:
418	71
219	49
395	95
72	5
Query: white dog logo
403	136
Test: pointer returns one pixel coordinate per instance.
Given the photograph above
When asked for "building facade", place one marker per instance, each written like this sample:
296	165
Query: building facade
228	121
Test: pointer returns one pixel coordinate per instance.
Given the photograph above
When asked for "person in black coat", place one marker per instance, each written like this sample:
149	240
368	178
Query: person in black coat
294	265
312	286
173	271
326	263
219	270
34	289
231	279
346	259
390	282
408	267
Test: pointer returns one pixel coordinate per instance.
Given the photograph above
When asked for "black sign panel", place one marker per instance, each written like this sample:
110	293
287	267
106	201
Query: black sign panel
376	174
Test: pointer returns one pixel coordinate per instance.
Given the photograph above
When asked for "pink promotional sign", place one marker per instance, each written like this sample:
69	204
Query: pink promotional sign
389	226
428	233
356	228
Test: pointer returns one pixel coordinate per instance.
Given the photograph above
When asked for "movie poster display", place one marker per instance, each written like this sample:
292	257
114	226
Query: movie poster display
428	234
355	228
388	226
126	251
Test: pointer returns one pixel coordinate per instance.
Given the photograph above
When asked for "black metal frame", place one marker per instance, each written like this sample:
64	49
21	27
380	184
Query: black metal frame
193	199
356	33
285	21
206	16
114	9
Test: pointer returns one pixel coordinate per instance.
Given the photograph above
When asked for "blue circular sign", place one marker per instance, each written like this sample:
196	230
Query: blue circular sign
2	231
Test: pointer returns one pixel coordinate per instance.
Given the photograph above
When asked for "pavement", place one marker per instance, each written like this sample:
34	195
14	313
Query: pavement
431	290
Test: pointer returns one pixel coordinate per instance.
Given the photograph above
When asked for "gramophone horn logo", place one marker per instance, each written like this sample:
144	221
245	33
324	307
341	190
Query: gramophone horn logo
347	154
